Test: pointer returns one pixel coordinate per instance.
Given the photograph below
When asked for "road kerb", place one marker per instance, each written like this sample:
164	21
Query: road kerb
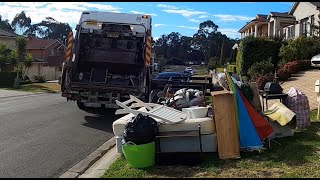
87	162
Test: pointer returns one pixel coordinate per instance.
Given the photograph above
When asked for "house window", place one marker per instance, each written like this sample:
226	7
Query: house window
51	52
311	26
304	26
290	32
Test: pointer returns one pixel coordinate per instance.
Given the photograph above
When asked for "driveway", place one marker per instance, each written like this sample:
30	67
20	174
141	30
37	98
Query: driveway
304	82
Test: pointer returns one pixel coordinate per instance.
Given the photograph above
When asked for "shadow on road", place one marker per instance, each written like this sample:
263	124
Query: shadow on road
102	121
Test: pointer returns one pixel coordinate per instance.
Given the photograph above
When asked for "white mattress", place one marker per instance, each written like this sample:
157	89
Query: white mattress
207	125
182	144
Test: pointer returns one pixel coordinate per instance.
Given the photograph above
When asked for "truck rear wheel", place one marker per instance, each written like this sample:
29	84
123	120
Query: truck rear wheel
81	105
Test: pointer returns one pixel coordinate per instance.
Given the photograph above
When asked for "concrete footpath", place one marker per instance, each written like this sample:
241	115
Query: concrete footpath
96	163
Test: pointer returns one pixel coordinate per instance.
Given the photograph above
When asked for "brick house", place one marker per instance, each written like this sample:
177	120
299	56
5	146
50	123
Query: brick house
297	22
51	50
9	39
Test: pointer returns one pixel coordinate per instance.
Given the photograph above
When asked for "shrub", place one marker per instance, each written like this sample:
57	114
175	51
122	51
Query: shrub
25	82
283	74
262	80
7	79
39	79
261	68
253	50
299	48
175	61
213	63
293	67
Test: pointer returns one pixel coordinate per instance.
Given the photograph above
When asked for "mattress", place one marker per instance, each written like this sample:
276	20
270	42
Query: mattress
207	125
182	144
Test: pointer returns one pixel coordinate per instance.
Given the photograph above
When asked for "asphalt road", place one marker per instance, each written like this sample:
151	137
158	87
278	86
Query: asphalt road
44	135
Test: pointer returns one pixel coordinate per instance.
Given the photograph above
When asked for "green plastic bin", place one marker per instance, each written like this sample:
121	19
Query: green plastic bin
139	156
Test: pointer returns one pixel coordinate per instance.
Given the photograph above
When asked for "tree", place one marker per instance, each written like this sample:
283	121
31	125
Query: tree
3	56
21	47
50	29
13	57
222	55
5	25
28	63
21	23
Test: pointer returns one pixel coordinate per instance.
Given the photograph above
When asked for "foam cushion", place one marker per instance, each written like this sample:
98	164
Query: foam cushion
207	125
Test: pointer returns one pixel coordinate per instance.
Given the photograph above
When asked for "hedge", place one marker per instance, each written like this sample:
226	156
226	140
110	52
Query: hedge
253	50
299	48
7	79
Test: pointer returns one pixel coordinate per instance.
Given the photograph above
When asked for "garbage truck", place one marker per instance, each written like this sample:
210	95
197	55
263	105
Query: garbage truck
110	59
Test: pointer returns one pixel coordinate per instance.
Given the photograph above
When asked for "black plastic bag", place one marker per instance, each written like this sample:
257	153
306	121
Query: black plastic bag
141	130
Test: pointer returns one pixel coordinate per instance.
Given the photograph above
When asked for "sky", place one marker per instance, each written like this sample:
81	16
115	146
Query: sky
167	17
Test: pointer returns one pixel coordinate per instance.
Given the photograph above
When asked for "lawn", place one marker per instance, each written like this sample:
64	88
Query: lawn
297	156
38	87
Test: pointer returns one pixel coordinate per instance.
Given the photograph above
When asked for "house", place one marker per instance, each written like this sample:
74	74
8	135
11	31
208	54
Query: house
8	38
297	22
305	13
51	50
257	27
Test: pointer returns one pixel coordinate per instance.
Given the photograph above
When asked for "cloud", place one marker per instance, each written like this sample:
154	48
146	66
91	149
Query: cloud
156	38
68	12
230	32
188	27
140	12
176	26
229	17
194	20
203	16
157	25
167	6
185	13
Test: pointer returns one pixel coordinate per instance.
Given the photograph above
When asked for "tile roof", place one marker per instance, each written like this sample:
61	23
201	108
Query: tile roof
280	14
7	33
36	43
262	16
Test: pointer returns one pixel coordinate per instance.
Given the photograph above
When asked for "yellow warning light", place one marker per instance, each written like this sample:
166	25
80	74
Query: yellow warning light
145	16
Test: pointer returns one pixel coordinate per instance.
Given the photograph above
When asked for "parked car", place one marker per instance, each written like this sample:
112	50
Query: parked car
315	61
168	75
190	70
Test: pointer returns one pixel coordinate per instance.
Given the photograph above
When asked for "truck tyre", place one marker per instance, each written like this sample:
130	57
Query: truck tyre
81	106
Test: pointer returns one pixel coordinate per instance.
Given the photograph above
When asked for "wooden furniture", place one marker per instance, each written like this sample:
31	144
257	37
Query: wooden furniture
226	125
